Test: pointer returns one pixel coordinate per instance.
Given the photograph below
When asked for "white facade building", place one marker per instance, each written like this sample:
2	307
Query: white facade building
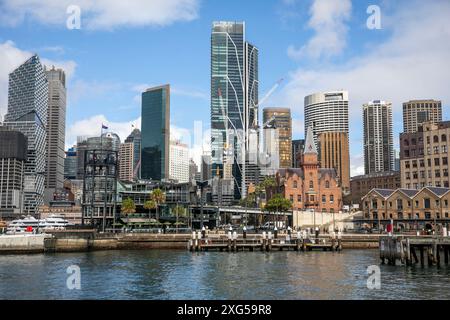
179	162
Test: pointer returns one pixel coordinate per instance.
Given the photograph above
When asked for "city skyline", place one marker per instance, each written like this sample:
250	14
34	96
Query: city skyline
287	50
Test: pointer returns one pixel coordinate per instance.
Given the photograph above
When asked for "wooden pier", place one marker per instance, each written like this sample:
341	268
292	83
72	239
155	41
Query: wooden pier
266	242
411	250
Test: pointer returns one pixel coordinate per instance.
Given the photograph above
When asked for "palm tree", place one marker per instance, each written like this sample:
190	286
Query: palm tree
158	197
179	212
149	205
128	207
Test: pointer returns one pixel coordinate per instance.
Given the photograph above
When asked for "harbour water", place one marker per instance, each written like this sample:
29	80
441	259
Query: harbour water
171	274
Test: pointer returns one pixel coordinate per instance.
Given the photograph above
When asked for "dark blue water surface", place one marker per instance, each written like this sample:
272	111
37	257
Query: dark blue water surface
164	274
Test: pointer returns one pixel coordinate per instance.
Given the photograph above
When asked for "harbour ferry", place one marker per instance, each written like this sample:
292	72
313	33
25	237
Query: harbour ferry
30	224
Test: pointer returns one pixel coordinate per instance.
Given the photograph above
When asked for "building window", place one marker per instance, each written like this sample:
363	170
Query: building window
427	215
445	161
427	203
443	138
437	161
291	198
435	139
324	198
331	198
311	184
299	198
327	184
295	184
444	149
437	173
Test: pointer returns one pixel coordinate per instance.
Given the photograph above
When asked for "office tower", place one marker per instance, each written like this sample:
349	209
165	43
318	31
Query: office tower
416	112
424	156
193	170
325	112
126	160
70	164
298	146
81	150
378	137
100	182
155	126
179	162
13	154
136	138
27	113
283	122
234	101
56	128
206	167
335	154
271	150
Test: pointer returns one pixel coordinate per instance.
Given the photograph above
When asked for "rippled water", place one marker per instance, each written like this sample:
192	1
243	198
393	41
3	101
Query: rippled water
216	275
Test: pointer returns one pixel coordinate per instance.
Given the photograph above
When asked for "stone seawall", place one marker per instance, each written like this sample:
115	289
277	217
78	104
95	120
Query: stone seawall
89	241
23	243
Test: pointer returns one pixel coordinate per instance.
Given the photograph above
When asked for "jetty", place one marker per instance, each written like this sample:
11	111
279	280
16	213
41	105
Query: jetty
412	250
233	242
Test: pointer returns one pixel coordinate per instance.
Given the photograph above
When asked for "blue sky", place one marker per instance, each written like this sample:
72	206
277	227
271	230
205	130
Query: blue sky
314	45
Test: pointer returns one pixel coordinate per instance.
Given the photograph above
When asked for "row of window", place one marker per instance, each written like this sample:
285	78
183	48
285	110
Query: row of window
410	216
436	139
421	163
437	174
311	184
399	204
324	198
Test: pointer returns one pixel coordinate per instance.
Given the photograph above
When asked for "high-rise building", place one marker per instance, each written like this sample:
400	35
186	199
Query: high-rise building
271	151
417	112
298	146
335	154
424	156
56	128
155	126
13	154
27	113
327	112
234	101
378	137
282	121
179	162
206	167
136	139
126	160
70	164
193	171
81	150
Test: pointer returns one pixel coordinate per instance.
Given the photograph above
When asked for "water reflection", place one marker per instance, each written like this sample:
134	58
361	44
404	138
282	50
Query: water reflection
216	275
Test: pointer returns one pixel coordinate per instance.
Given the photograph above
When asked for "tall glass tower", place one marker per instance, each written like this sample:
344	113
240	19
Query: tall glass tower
234	101
27	113
155	133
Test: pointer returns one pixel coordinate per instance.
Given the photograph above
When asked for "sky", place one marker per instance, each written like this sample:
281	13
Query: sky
124	47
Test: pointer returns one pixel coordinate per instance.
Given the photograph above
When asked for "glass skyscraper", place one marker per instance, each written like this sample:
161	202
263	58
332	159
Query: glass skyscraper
27	113
234	101
155	133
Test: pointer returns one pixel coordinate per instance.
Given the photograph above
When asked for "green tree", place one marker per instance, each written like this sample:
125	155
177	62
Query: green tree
278	203
149	205
128	206
261	190
159	197
179	212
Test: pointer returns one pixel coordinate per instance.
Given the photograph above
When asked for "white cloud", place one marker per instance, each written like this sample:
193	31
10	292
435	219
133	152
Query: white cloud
11	57
92	127
328	20
100	14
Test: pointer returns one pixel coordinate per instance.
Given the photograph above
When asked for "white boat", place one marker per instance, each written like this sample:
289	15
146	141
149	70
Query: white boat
30	224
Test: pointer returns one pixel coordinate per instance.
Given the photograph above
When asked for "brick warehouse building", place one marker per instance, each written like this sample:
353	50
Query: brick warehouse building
310	187
408	208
